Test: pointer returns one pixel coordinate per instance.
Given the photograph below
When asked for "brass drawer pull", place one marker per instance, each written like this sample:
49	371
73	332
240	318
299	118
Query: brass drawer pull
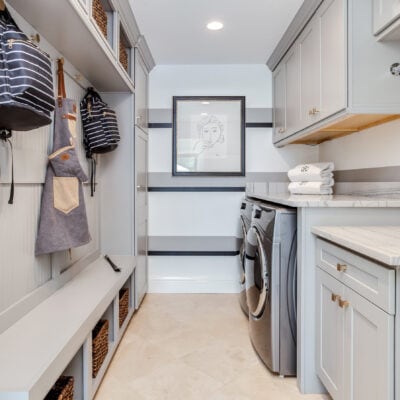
341	267
343	303
335	297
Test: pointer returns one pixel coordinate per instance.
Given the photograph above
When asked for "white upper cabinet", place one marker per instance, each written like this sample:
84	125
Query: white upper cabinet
327	78
331	18
292	70
141	93
279	115
385	13
310	68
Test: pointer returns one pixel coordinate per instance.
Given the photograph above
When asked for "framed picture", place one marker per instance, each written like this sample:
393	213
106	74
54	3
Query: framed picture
209	136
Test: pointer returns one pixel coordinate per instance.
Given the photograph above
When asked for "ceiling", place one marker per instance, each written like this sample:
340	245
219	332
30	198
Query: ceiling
176	29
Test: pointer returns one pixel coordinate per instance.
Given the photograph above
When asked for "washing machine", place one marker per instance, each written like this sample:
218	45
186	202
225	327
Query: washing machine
270	270
246	210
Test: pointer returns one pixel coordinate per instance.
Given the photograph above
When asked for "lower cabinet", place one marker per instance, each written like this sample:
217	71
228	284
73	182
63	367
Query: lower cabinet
355	343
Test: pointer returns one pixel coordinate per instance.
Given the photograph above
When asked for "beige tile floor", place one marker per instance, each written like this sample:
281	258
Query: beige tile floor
191	347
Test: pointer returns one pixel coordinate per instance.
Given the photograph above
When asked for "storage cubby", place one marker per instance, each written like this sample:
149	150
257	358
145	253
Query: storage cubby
75	369
103	16
125	301
125	52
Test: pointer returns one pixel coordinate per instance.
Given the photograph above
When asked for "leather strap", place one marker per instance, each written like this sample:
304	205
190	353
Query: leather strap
61	83
2	5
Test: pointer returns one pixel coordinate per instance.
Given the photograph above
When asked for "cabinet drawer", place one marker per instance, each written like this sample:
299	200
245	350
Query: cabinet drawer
371	280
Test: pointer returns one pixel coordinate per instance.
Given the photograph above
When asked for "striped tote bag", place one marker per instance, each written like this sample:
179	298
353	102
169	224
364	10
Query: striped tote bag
26	80
99	123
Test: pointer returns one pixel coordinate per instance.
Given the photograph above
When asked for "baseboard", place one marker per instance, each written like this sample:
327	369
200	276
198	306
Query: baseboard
192	285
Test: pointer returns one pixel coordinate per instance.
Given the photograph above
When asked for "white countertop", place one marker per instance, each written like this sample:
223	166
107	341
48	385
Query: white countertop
381	243
380	201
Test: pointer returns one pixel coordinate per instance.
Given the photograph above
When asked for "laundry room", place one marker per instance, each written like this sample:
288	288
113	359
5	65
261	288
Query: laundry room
199	199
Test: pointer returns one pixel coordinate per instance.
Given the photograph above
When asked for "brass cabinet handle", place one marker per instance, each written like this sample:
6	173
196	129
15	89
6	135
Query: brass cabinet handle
281	130
315	111
335	297
343	303
341	267
311	112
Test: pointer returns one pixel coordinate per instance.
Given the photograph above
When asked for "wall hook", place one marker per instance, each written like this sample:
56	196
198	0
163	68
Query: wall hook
35	38
395	69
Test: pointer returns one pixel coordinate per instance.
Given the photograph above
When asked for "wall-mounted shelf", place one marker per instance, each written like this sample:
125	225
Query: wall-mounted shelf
69	27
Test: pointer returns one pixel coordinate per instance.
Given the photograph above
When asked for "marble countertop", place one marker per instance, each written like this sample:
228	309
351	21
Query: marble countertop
381	243
380	201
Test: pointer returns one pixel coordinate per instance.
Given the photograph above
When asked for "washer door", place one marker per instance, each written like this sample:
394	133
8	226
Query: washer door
242	253
257	274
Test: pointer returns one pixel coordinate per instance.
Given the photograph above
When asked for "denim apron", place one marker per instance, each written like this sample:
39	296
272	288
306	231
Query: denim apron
63	221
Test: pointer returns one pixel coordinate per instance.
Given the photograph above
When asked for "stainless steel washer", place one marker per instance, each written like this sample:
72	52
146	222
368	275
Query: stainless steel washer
270	270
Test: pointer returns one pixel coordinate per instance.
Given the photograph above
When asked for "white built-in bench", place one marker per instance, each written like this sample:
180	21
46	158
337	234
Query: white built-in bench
55	338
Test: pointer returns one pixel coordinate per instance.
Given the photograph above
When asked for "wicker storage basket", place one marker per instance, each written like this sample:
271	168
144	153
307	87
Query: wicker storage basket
123	56
63	389
99	346
100	16
123	305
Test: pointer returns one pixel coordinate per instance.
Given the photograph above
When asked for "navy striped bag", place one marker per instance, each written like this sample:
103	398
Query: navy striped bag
100	128
26	80
26	84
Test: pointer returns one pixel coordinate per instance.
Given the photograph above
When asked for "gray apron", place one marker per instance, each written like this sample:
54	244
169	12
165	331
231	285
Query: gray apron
63	221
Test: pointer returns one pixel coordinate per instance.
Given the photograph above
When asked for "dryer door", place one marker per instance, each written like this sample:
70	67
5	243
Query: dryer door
257	274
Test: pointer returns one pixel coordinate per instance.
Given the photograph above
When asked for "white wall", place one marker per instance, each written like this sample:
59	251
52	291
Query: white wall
207	214
374	147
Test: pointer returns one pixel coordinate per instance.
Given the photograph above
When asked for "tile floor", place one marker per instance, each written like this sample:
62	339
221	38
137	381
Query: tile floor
191	347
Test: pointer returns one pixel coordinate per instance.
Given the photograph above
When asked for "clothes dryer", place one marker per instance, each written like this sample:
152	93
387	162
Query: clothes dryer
270	270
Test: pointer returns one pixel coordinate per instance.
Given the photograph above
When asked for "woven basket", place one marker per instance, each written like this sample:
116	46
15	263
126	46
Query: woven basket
100	16
63	389
123	305
123	56
99	346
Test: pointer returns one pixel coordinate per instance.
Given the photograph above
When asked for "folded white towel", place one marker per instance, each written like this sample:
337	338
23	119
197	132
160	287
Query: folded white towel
316	172
310	187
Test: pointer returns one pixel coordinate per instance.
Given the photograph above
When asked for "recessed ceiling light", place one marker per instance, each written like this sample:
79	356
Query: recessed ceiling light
215	25
205	102
204	114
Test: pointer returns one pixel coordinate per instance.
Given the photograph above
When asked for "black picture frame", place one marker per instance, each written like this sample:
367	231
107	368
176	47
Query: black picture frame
238	128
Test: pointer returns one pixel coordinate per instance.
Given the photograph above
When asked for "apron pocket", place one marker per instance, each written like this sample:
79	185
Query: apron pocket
66	193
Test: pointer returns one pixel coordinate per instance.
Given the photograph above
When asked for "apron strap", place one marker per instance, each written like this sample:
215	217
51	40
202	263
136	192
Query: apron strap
61	83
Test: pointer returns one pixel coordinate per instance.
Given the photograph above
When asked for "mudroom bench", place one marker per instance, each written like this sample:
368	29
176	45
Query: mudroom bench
55	338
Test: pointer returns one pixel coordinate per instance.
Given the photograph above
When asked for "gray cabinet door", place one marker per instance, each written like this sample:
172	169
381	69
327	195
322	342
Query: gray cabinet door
292	66
385	12
141	215
333	57
279	106
330	333
310	73
141	93
369	350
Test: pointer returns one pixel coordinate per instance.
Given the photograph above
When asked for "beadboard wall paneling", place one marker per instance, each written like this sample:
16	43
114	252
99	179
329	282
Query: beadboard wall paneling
20	271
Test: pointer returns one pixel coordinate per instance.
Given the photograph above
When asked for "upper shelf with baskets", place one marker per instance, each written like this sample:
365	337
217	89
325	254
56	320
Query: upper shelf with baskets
96	36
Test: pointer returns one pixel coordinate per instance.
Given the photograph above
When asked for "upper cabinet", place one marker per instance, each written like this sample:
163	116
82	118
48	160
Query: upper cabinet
329	88
96	36
387	19
141	93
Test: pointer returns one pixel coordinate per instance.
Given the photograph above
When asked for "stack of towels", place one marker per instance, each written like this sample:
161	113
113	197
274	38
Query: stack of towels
312	178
